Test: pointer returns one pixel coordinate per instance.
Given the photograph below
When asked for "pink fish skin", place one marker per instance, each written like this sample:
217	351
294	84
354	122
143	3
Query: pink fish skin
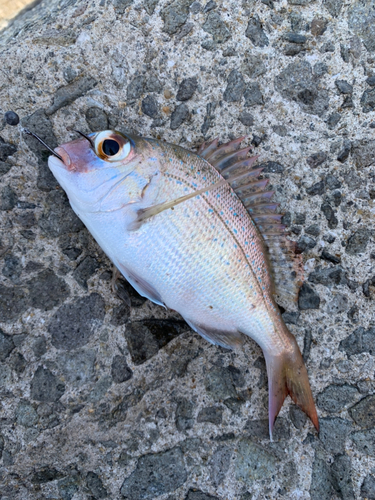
180	234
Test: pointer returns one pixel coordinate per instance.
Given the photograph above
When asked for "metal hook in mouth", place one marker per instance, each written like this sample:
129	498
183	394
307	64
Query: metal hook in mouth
86	137
42	142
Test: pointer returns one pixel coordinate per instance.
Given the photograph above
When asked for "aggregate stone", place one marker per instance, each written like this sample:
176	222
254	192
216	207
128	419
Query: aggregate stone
313	230
18	363
318	26
58	217
175	15
184	415
368	488
295	38
215	26
6	345
120	370
358	241
297	83
363	413
219	383
328	276
212	414
364	441
4	168
253	66
259	429
187	88
47	290
39	347
335	398
344	87
155	474
146	337
246	119
297	416
253	95
97	119
333	433
256	33
342	477
316	189
6	149
95	485
359	341
141	84
150	106
330	215
361	20
317	159
368	101
74	324
68	94
179	116
150	6
26	414
45	475
333	6
78	366
45	386
199	495
121	5
333	120
254	462
235	87
271	167
363	152
8	198
321	479
13	302
1	446
85	269
68	487
220	463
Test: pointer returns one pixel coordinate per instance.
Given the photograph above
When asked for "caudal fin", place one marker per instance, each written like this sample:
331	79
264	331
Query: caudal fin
287	374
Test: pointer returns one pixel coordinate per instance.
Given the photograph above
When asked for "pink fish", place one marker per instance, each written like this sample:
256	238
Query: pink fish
197	233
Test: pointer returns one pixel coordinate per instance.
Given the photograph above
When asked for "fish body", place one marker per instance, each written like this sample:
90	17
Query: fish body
183	238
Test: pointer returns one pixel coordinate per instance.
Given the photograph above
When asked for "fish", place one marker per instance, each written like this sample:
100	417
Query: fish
197	233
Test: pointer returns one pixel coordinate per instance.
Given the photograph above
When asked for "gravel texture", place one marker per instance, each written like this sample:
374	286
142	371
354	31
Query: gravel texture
105	395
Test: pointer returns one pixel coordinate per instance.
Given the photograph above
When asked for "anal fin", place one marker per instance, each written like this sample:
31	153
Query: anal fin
228	340
142	286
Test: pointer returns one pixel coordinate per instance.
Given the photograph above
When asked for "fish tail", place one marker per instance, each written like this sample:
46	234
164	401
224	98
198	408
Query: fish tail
287	374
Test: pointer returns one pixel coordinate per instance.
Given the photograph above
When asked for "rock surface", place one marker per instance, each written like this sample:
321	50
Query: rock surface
105	395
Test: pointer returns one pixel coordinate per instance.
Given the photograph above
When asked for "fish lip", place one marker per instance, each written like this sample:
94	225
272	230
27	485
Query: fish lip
53	161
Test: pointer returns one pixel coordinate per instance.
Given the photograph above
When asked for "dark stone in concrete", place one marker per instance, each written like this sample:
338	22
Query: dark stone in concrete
8	198
335	398
344	87
184	415
333	120
297	416
253	95
291	317
363	152
85	269
75	323
297	83
253	66
368	101
216	27
363	413
259	429
121	5
155	474
146	337
175	15
199	495
333	433
333	6
45	475
364	441
78	367
6	149
140	85
255	32
187	88
305	243
328	276
317	159
220	463
342	477
13	302
235	87
39	347
318	26
308	298
45	386
219	383
330	215
59	218
316	189
95	485
97	119
179	116
6	345
321	479
150	106
68	94
212	414
359	341
271	167
120	315
26	414
47	290
368	488
358	241
361	20
120	370
253	462
246	119
295	38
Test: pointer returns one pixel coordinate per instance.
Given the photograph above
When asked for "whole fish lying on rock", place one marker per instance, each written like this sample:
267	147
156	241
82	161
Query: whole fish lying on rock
197	233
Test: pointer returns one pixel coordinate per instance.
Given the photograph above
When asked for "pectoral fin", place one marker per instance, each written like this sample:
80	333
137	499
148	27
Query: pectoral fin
142	286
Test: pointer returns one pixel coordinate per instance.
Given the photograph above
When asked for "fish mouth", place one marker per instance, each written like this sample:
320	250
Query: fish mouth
54	161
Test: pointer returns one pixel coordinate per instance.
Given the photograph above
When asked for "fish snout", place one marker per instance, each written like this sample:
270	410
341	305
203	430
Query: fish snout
65	156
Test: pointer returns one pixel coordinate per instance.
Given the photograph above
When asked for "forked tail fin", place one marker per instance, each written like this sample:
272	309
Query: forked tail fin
287	374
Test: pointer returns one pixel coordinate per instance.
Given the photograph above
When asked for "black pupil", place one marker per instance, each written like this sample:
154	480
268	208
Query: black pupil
110	147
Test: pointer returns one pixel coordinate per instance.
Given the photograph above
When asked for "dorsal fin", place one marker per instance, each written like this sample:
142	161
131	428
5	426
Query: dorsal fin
234	165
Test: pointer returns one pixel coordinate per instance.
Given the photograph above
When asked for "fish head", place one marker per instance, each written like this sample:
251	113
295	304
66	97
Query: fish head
96	170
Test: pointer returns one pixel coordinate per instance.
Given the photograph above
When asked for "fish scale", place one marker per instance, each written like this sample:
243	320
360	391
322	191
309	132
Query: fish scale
182	236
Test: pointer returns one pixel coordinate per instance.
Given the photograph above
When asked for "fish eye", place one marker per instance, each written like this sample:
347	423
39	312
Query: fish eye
112	146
